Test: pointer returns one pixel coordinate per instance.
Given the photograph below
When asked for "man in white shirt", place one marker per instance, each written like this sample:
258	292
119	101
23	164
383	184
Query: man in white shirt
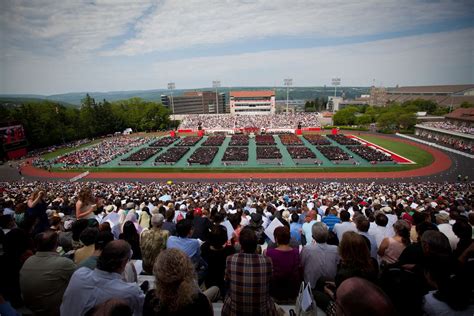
310	219
88	288
442	219
381	230
345	226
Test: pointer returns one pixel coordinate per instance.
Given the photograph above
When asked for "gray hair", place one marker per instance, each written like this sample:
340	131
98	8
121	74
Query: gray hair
435	243
157	220
320	232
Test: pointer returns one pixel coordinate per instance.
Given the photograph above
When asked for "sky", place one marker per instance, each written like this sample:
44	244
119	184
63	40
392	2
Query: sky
50	46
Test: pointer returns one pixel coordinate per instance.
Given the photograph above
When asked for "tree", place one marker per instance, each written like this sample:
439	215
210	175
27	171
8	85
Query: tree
364	119
47	123
345	116
466	105
422	105
407	120
388	121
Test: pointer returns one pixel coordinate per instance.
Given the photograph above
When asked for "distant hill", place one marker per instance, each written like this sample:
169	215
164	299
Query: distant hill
20	99
74	98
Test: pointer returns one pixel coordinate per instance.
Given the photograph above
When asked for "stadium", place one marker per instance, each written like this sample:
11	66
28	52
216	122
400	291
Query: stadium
236	158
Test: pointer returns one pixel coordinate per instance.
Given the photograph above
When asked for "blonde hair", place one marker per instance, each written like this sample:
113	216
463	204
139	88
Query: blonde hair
35	194
85	195
175	279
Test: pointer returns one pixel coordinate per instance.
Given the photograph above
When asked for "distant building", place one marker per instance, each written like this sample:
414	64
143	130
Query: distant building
461	117
333	103
196	102
378	96
252	102
447	95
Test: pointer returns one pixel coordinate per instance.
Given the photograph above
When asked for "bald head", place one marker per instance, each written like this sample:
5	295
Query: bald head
356	296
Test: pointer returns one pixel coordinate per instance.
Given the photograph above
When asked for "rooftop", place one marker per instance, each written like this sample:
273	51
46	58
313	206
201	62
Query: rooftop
252	94
432	89
462	114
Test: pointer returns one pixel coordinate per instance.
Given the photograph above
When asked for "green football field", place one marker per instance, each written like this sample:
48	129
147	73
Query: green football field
420	157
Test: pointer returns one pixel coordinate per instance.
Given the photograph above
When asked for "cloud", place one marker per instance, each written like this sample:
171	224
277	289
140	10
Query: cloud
440	58
68	26
187	24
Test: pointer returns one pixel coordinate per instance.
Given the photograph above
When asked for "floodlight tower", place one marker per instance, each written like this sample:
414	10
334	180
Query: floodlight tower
288	83
336	82
171	87
216	84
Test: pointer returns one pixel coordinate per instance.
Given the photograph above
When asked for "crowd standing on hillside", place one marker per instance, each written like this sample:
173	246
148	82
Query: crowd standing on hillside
228	121
365	249
102	153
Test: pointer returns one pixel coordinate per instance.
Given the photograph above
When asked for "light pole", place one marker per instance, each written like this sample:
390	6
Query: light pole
171	87
336	82
288	82
216	84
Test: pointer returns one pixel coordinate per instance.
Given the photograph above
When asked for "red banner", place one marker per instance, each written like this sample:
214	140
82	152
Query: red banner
185	130
15	154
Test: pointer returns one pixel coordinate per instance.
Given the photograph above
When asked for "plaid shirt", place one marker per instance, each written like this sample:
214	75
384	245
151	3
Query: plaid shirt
152	242
249	278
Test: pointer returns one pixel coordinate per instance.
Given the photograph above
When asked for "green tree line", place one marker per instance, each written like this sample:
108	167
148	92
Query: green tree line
392	117
47	123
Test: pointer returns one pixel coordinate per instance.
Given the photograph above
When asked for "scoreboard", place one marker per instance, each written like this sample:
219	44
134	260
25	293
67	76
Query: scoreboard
14	142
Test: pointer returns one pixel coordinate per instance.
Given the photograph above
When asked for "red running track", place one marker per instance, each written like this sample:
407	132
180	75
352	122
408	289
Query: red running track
441	163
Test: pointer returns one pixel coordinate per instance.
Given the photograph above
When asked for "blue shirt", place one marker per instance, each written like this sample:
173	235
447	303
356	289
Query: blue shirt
88	288
331	220
295	231
189	246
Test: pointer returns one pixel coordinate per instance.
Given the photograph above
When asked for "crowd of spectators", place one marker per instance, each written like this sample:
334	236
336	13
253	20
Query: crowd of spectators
142	154
334	153
366	249
446	140
451	127
104	152
264	140
228	121
317	140
236	153
189	141
268	152
203	155
370	154
172	155
50	149
164	141
239	140
343	139
290	140
301	152
214	141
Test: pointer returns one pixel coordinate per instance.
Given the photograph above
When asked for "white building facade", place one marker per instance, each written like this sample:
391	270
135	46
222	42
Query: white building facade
252	102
